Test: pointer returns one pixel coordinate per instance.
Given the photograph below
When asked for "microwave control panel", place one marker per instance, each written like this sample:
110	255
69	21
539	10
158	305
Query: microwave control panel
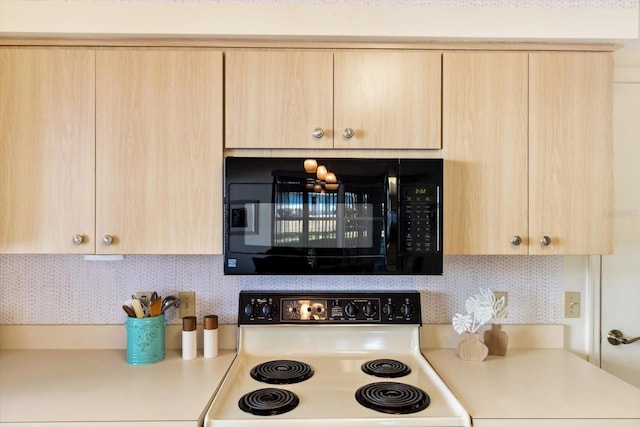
418	225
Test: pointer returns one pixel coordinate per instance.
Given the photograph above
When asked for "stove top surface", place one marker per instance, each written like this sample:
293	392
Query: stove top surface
338	356
346	359
330	394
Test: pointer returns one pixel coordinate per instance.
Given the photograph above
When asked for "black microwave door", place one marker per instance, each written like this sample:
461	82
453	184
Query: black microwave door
248	218
345	221
296	226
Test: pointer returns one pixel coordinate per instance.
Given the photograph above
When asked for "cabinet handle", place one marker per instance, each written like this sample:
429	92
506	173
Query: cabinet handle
516	240
318	133
615	337
77	239
545	241
107	240
348	133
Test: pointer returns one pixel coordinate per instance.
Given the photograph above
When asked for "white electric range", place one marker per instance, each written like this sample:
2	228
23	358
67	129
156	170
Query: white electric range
332	358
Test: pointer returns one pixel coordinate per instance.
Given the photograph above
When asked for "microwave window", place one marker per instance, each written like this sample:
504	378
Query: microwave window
324	220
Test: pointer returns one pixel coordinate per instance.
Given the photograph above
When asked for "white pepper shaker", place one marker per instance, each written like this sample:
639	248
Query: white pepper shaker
210	336
189	338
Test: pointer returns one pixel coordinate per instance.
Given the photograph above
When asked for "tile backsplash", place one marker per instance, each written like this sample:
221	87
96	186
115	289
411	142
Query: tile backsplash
66	289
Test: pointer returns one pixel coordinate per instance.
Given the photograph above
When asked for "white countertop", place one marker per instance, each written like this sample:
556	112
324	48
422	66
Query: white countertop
529	384
97	388
85	386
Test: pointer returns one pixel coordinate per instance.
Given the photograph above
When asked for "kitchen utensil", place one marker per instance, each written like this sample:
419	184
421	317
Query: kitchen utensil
144	300
155	309
137	307
170	301
129	310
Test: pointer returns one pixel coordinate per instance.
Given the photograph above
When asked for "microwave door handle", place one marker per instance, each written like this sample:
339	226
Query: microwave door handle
388	216
391	191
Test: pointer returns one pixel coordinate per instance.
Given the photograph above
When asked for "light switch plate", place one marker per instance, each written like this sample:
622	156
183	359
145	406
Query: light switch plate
572	304
187	304
499	295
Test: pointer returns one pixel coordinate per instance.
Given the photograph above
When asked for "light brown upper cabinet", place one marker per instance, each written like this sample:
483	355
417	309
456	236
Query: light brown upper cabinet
387	99
47	150
570	152
485	139
541	188
354	99
110	151
159	151
278	99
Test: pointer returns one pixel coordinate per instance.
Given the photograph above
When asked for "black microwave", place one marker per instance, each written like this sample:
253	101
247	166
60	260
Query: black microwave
332	216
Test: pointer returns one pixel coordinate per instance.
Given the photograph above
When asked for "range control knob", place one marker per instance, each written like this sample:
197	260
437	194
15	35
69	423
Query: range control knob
389	309
351	309
369	310
406	310
250	310
267	309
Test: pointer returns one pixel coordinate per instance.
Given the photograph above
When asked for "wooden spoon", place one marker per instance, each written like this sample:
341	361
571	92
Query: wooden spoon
129	311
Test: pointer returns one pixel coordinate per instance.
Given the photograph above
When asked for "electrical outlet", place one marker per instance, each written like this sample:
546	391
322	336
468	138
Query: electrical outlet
187	304
506	301
572	304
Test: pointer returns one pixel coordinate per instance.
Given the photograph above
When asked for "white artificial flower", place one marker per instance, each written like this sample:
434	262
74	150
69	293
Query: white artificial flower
482	314
480	309
461	322
472	304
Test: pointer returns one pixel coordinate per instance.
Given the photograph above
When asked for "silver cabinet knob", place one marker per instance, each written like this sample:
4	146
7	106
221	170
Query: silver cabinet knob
318	133
77	239
516	240
348	133
545	241
107	240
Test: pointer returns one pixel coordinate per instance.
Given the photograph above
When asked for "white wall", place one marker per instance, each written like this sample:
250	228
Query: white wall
542	20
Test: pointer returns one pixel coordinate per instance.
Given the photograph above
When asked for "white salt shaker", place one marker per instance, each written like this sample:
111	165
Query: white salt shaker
189	338
210	336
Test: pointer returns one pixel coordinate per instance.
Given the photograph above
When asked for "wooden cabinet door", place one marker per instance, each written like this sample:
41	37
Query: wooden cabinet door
389	99
47	101
570	152
159	151
276	99
485	151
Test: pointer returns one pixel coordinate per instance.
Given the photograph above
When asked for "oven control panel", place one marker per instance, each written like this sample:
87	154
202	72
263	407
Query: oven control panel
265	307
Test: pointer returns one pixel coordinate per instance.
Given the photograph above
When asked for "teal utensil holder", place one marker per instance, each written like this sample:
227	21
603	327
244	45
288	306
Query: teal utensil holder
145	340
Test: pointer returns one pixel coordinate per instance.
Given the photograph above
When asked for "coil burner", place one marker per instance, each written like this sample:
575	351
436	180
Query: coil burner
282	372
386	368
268	401
392	398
